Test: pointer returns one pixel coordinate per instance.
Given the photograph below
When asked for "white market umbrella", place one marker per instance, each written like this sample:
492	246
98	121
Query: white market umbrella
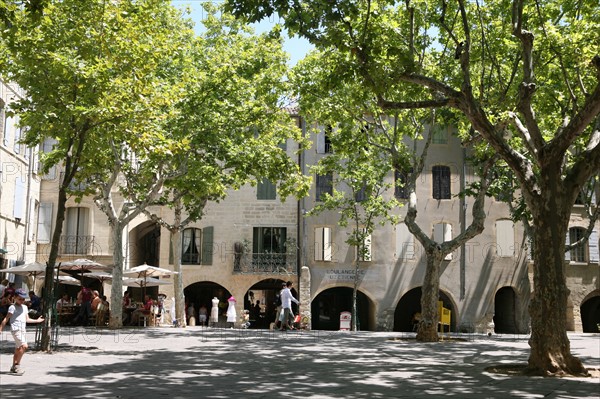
144	282
68	280
83	265
147	271
102	276
34	270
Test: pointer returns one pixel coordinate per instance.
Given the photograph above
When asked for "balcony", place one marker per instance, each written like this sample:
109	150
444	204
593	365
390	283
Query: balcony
245	261
76	245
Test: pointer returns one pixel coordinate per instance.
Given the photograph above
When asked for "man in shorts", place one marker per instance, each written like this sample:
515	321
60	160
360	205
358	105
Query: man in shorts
18	314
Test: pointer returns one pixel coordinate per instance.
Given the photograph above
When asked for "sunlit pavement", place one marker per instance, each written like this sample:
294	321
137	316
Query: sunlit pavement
222	363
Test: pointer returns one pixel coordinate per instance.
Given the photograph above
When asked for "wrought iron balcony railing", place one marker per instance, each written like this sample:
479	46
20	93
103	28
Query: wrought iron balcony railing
246	261
76	245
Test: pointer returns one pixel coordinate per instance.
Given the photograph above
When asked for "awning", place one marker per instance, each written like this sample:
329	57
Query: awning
3	251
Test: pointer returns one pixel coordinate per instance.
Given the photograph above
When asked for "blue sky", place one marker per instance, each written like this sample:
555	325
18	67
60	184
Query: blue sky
296	47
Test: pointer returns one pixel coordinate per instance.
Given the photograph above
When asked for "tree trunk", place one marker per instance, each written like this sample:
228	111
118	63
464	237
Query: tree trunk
550	346
116	295
428	326
49	299
354	295
178	277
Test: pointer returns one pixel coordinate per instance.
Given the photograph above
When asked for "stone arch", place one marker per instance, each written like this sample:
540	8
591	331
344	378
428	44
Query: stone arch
144	244
590	312
410	304
202	292
266	292
505	311
327	305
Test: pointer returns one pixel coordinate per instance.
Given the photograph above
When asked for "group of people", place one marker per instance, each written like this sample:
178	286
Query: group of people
90	304
191	315
132	315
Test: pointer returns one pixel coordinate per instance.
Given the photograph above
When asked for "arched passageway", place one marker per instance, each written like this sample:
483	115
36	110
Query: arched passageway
410	304
590	314
144	247
505	310
201	294
261	302
328	305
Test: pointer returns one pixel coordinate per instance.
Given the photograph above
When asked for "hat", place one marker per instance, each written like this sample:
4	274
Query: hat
232	299
22	293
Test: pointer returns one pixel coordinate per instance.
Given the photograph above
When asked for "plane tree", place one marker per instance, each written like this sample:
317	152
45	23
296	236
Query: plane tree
370	144
235	127
524	75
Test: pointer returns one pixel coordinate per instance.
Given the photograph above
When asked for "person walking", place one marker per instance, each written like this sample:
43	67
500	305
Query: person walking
286	303
18	315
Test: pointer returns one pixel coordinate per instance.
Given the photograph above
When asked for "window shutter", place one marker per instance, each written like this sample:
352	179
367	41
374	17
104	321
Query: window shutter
366	256
20	200
405	244
593	246
44	230
207	245
9	127
442	232
171	256
445	182
323	244
319	243
31	224
505	237
321	141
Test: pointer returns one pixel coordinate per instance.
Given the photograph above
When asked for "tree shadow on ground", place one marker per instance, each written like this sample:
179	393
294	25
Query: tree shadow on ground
251	364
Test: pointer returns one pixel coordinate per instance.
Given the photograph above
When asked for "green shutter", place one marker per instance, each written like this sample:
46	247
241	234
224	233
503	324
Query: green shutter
207	245
171	260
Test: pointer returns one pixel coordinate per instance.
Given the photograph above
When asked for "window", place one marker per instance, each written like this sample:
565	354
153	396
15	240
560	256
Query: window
405	242
190	246
20	199
324	186
401	182
76	239
196	246
47	147
440	134
442	232
576	254
323	250
266	190
269	247
18	132
9	128
505	238
44	224
361	195
365	249
324	141
441	182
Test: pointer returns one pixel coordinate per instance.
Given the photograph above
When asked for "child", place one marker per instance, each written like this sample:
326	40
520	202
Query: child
19	316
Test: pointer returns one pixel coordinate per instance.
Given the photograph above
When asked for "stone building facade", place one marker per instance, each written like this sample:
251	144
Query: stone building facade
247	245
19	188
